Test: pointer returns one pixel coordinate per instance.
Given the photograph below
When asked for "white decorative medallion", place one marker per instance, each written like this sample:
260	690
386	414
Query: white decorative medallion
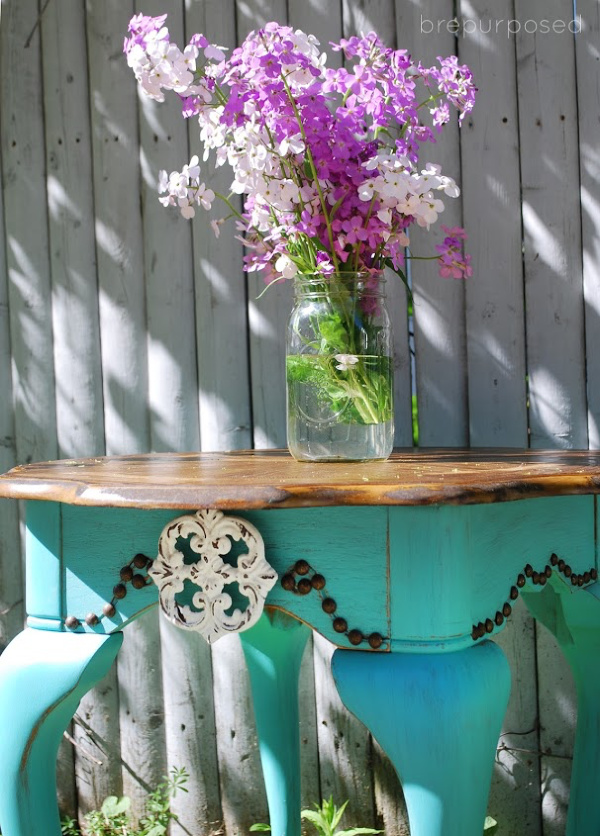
210	535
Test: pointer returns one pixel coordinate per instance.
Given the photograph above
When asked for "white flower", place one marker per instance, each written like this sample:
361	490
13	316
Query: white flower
286	266
345	362
204	196
216	226
186	208
214	52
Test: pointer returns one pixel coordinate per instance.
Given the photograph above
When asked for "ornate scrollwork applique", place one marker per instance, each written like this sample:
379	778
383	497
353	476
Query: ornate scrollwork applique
210	535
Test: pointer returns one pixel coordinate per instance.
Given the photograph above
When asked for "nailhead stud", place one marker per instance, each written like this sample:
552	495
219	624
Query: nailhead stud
109	610
120	591
288	582
521	580
499	618
506	610
489	625
375	640
301	567
317	581
140	561
340	625
126	573
138	582
71	622
355	637
91	619
329	606
514	593
304	586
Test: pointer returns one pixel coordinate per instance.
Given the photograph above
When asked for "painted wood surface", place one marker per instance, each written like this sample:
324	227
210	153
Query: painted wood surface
133	281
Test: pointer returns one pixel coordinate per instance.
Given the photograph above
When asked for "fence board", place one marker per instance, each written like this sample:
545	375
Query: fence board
174	424
72	247
220	284
11	597
553	298
496	359
80	427
122	327
439	315
26	220
345	748
587	54
267	315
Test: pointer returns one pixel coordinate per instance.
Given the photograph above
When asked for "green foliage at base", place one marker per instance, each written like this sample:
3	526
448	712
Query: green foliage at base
112	819
325	819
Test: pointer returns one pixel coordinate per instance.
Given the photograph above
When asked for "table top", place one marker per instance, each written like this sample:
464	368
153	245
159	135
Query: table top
272	478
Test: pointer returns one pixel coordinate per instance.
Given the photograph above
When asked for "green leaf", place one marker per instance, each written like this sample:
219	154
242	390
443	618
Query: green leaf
334	333
113	806
317	819
355	831
157	830
490	825
336	814
260	828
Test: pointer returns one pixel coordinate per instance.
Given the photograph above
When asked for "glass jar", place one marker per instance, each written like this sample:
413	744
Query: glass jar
339	369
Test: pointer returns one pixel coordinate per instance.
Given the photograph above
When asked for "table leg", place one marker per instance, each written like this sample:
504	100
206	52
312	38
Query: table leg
438	717
273	649
43	675
574	618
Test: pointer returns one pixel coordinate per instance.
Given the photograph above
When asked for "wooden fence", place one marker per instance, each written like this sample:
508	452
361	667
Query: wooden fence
124	328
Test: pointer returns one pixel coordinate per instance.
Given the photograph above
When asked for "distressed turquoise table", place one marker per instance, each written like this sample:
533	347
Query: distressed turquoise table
408	566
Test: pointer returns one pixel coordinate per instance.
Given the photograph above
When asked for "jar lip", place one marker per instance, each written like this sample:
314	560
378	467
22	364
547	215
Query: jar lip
359	275
367	281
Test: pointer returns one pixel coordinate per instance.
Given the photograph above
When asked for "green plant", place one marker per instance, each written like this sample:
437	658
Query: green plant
325	818
112	819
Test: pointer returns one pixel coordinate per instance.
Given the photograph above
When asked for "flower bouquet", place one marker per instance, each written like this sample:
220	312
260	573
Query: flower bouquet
328	163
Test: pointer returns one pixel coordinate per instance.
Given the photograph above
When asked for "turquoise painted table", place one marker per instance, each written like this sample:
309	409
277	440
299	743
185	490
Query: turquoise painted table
408	566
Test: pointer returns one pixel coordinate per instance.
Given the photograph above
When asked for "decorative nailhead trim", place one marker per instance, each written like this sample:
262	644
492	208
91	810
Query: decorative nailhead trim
127	575
538	578
310	580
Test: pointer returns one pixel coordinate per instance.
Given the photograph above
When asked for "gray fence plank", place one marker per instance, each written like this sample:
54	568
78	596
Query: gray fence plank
496	359
267	315
11	598
220	283
588	98
439	315
72	247
243	795
26	220
173	408
554	301
78	382
122	326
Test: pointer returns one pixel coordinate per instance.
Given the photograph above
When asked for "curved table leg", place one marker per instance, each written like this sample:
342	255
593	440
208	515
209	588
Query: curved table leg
438	717
43	675
273	649
574	618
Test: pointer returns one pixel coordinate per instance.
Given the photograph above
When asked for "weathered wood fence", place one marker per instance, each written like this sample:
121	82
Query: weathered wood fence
123	329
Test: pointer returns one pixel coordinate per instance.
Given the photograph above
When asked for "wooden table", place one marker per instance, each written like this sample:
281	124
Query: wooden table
408	566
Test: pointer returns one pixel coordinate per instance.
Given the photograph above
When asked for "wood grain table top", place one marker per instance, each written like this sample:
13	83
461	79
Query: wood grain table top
272	478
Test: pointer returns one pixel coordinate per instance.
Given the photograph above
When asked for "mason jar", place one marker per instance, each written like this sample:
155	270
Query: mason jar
339	369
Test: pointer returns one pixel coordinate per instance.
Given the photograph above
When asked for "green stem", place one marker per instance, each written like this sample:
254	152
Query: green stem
313	169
